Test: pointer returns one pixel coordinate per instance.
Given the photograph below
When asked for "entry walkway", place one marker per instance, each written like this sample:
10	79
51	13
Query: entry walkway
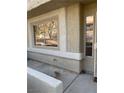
72	82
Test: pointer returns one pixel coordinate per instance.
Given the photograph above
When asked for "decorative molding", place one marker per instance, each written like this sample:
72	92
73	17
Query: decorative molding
61	27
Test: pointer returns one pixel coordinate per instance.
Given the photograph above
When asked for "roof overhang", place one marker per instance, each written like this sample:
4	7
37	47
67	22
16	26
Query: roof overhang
31	4
38	7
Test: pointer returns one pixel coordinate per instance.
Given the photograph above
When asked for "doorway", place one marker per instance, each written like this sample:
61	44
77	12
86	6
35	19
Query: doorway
90	43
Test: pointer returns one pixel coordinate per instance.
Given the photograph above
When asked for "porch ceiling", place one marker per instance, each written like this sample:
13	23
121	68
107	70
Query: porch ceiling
43	7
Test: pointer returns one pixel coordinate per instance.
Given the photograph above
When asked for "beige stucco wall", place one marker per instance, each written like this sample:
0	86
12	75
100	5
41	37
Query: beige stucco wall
71	20
65	56
69	64
90	9
82	21
75	25
73	28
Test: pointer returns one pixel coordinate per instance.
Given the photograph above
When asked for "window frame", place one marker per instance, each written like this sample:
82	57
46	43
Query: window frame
85	24
42	21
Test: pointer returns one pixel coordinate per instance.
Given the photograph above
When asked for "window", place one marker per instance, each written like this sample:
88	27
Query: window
89	35
46	33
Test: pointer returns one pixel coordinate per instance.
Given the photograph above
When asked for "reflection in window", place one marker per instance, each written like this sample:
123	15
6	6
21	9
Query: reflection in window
45	33
89	35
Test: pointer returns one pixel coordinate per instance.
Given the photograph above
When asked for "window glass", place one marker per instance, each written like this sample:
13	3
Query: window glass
46	33
89	35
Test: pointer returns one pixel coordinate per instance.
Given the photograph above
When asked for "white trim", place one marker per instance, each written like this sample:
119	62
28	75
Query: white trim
70	55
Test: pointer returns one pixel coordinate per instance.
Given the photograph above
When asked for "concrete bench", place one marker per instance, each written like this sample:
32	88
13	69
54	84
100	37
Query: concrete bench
38	82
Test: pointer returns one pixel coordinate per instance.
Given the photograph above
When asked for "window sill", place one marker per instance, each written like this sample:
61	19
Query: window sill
46	47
